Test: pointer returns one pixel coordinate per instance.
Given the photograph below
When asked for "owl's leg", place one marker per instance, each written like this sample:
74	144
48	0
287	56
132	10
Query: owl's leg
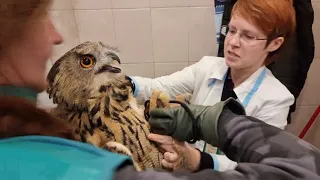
160	99
119	148
185	98
94	139
116	147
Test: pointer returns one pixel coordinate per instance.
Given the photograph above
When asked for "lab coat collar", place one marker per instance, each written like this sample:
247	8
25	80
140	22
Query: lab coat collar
244	88
247	85
219	72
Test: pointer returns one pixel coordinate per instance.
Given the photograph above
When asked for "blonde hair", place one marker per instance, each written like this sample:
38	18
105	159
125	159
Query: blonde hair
16	16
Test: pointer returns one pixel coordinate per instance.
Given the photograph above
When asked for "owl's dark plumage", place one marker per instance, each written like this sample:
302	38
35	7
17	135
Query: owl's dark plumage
96	97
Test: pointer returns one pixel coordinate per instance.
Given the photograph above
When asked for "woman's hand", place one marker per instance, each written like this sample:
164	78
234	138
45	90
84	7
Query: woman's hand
175	150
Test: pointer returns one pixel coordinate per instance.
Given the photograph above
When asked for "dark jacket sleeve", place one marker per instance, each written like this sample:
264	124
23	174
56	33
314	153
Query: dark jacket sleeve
263	152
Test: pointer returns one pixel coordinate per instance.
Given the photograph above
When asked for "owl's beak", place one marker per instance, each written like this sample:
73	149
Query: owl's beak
108	68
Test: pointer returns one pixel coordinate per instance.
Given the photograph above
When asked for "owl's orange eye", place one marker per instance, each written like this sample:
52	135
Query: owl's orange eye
86	61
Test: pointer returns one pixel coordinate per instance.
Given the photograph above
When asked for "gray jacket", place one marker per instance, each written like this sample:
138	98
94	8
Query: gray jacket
263	152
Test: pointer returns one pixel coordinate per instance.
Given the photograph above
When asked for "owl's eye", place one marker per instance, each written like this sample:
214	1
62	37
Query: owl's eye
87	61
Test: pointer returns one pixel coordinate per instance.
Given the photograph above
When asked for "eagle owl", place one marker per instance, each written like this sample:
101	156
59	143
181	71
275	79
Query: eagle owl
96	97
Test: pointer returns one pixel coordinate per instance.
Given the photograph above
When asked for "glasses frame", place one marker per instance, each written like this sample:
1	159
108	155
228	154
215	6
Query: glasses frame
241	34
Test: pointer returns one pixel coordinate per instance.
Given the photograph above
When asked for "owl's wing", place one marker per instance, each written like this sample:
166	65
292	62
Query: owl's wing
60	113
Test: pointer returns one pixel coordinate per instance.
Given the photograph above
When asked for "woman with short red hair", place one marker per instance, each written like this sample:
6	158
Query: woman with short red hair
257	30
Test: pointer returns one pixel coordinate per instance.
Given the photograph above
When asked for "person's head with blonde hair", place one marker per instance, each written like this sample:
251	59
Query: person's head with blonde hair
26	39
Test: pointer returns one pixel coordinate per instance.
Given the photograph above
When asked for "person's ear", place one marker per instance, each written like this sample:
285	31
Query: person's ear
275	44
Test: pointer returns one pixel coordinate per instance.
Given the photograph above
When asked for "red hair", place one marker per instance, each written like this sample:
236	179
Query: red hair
16	16
273	17
18	117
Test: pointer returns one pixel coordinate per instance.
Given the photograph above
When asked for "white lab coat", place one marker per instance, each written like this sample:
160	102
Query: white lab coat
270	103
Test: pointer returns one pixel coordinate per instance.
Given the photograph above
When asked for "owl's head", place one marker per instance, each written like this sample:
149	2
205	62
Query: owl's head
83	71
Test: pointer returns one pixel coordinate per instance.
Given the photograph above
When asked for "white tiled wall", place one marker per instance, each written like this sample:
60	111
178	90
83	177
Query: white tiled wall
155	37
154	34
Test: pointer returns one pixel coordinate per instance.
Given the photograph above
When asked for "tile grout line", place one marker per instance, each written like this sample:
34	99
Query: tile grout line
310	105
144	7
114	26
76	22
189	22
152	40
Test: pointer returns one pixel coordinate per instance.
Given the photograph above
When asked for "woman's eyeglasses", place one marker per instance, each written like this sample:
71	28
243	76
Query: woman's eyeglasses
225	30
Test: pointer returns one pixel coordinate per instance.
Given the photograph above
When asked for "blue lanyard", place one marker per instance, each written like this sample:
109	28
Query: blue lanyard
253	90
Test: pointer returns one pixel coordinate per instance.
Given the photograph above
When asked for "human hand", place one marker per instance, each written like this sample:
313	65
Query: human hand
176	150
168	144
